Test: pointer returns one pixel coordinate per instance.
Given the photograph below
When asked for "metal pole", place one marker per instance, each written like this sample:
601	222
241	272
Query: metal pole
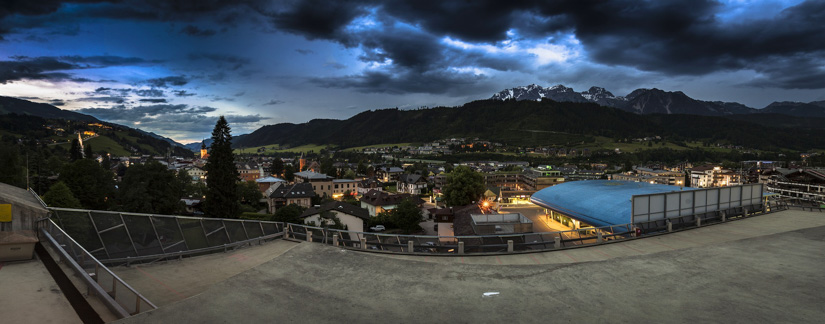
205	236
98	235
152	223
183	237
128	234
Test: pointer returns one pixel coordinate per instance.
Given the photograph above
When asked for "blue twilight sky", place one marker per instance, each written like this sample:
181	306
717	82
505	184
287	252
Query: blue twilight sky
172	66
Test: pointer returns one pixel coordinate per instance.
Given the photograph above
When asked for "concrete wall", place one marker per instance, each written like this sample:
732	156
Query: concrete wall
25	209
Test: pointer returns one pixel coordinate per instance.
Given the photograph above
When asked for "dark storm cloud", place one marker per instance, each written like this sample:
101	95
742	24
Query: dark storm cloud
52	68
148	92
39	68
406	82
318	19
222	60
169	81
676	37
105	60
112	99
170	118
140	113
680	37
193	30
182	93
154	100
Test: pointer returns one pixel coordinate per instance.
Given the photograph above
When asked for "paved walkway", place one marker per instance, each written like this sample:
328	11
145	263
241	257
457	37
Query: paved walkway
166	282
28	294
763	269
710	235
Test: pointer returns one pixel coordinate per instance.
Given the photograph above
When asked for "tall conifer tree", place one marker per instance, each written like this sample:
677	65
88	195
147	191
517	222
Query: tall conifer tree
222	199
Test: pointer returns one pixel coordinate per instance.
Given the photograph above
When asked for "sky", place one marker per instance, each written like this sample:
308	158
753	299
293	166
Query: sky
172	66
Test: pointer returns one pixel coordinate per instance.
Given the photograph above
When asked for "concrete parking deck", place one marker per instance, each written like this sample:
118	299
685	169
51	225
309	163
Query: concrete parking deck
28	294
170	281
762	269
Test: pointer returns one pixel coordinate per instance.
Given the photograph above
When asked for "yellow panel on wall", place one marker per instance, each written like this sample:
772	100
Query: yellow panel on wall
5	212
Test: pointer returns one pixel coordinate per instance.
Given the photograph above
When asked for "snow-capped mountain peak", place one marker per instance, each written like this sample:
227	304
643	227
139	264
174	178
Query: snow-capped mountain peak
640	101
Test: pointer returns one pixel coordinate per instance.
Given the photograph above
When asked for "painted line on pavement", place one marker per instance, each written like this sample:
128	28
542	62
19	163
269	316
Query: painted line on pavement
160	282
602	253
634	249
568	255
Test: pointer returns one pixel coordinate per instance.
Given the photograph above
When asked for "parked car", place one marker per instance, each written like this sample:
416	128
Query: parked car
377	228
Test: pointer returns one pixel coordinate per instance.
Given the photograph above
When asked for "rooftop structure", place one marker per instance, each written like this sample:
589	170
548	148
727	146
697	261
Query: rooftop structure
312	176
597	202
484	224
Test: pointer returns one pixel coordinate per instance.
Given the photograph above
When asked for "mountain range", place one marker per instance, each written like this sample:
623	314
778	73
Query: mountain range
655	101
119	140
545	122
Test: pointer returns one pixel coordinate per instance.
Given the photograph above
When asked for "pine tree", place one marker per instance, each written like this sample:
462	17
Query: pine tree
75	152
87	150
222	199
277	168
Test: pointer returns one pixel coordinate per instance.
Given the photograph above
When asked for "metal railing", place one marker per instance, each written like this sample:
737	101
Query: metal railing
515	243
36	196
476	244
117	295
118	238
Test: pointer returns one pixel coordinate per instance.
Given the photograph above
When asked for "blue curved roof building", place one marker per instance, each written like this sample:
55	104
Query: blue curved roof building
597	202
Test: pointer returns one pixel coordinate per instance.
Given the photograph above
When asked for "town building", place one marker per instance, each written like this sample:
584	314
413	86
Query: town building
249	171
266	182
709	176
540	178
388	174
806	184
283	194
411	183
321	183
353	218
377	202
342	187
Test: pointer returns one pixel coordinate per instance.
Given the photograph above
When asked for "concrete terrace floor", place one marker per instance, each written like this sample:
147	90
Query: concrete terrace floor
28	294
763	269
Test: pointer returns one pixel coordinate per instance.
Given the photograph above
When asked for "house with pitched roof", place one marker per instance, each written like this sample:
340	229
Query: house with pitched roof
352	217
282	194
414	184
377	202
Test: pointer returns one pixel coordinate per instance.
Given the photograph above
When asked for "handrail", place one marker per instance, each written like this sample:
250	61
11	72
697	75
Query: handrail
156	215
129	260
516	242
216	238
36	196
109	298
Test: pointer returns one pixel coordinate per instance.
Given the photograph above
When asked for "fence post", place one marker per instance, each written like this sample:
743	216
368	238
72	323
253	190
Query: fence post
509	245
363	243
335	239
460	247
670	225
599	238
410	247
309	235
558	242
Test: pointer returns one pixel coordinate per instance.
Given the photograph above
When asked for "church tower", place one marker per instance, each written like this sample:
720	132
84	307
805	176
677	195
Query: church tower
204	155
